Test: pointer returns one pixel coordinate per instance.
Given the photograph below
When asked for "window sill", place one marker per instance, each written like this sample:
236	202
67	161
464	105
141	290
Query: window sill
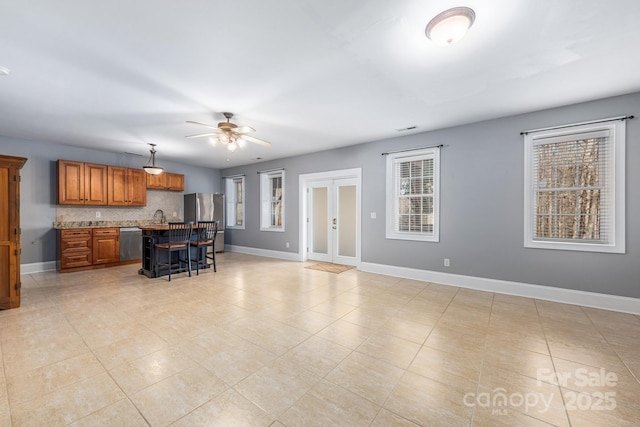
275	229
578	247
414	237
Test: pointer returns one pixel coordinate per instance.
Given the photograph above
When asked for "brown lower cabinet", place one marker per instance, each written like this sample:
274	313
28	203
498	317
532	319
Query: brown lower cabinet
84	248
76	248
106	245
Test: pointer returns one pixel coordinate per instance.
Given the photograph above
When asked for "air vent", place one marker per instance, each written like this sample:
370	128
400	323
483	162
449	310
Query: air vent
406	129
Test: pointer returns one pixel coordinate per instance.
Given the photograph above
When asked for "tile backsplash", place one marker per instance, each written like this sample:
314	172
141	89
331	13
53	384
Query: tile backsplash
168	201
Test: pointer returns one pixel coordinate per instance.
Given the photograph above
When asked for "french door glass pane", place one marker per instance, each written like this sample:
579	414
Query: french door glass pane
320	221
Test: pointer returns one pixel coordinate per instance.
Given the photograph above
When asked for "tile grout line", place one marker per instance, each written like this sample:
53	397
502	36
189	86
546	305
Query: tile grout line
553	363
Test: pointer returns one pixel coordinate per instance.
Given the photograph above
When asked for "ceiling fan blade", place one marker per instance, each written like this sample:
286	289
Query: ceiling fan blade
256	141
202	124
202	134
243	129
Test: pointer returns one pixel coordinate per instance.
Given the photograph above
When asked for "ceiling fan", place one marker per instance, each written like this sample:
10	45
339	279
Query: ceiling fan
230	133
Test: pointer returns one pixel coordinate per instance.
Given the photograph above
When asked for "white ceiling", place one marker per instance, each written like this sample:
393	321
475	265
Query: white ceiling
309	75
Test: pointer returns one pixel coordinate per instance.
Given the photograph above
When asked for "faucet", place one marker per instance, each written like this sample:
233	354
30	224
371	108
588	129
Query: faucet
163	219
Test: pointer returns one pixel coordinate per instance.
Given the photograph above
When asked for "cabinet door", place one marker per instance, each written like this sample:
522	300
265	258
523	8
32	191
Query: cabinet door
95	184
156	182
10	231
71	179
106	245
7	246
175	182
117	194
137	187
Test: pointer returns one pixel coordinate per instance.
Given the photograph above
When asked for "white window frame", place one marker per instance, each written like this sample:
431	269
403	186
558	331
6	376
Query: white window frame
615	194
392	229
230	190
266	202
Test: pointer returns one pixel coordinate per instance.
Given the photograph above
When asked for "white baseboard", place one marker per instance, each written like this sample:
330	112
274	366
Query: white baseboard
567	296
37	267
289	256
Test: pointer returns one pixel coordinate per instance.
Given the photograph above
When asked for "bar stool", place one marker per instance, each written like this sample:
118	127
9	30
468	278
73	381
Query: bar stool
179	238
206	236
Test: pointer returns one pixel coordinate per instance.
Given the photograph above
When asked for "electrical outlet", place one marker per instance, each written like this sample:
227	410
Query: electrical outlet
373	215
286	245
98	214
447	263
174	214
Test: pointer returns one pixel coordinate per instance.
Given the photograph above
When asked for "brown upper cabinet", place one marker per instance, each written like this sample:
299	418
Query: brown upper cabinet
156	182
81	183
126	187
166	181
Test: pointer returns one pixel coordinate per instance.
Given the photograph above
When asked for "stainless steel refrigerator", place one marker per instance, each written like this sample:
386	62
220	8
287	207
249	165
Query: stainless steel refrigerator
206	207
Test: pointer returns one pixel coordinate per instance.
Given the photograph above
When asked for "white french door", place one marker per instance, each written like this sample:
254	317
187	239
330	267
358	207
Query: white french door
333	213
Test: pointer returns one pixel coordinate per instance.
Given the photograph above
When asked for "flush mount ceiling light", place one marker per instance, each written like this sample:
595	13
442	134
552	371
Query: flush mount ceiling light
151	167
4	71
449	26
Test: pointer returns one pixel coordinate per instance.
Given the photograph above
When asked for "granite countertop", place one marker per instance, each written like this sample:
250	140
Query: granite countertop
105	224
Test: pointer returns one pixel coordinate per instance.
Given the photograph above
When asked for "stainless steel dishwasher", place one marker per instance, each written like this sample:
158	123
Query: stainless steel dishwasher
130	243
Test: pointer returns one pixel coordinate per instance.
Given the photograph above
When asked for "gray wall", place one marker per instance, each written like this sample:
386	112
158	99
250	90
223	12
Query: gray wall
38	190
481	204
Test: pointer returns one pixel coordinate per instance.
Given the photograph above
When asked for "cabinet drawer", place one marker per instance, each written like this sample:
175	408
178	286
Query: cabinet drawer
106	231
75	244
76	232
79	259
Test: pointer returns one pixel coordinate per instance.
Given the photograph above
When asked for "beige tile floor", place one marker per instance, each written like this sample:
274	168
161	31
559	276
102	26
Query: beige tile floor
267	342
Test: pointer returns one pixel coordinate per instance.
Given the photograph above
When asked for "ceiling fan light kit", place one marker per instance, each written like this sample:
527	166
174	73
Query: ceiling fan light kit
229	134
151	167
448	27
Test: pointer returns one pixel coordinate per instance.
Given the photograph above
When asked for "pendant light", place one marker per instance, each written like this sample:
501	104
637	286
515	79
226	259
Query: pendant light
448	27
151	167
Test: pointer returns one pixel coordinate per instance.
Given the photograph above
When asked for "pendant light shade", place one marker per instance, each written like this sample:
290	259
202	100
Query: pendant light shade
151	167
448	27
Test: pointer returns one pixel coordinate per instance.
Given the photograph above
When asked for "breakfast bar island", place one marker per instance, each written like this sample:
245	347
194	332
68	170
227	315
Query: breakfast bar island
154	234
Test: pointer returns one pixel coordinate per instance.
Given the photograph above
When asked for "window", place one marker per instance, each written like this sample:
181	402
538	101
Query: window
234	189
272	201
574	188
413	195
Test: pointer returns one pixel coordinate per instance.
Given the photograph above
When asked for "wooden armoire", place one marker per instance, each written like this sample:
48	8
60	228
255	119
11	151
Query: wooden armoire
10	230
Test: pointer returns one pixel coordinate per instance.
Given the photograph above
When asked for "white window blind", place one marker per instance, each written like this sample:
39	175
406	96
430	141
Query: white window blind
275	208
572	180
272	201
234	189
413	195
